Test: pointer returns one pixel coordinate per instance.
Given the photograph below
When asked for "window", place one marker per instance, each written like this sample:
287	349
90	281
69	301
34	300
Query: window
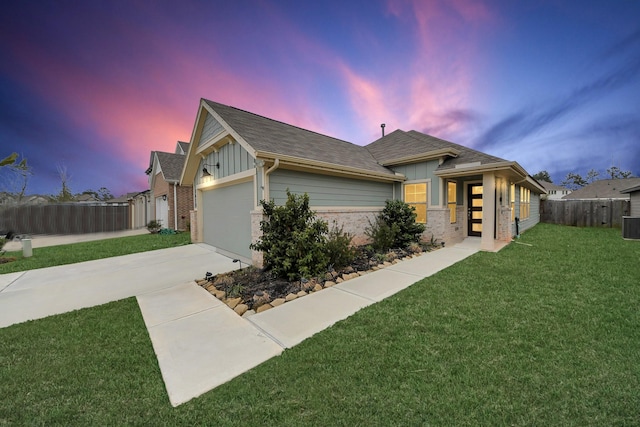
512	199
452	200
416	195
525	202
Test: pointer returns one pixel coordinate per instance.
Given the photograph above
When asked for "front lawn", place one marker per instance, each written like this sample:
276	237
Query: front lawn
87	251
541	333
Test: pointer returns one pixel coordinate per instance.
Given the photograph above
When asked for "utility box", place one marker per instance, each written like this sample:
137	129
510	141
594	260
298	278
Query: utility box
631	227
27	251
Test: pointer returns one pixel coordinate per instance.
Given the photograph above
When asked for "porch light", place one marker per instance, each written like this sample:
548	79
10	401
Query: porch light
205	172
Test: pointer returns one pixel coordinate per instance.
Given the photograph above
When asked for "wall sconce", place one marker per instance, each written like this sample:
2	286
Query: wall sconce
164	197
205	172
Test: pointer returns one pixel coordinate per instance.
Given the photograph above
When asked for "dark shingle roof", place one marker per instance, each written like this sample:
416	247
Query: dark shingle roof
171	165
400	144
271	136
551	186
604	189
184	146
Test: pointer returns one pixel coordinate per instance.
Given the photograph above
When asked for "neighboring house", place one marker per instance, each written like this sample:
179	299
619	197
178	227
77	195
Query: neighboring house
141	206
634	196
170	201
554	192
610	189
237	158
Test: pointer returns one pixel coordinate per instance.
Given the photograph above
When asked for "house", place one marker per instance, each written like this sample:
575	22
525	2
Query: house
554	191
141	209
610	189
237	158
170	201
634	197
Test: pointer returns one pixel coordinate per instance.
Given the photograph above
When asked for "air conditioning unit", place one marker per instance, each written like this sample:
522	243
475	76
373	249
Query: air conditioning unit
631	227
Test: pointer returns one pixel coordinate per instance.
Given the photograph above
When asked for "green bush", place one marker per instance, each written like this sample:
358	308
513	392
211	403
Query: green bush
293	239
154	226
382	235
338	247
394	227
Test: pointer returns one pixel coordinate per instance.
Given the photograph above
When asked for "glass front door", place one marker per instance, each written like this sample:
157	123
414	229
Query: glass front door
474	210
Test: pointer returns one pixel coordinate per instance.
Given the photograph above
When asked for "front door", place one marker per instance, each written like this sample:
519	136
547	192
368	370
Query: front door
474	210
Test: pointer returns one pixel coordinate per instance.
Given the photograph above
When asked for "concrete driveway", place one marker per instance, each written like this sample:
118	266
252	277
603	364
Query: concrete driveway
40	293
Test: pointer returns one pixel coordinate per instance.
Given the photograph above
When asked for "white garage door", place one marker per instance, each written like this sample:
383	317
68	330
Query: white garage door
227	218
162	212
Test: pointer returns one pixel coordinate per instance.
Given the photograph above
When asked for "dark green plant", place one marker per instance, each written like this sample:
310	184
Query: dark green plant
154	226
382	235
293	239
400	214
338	247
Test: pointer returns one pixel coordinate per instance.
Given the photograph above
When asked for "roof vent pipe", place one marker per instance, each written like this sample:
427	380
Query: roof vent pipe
382	126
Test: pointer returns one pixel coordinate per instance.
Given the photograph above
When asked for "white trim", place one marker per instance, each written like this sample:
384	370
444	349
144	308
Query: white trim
237	178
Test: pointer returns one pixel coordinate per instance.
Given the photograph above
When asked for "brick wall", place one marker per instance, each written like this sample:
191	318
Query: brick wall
185	204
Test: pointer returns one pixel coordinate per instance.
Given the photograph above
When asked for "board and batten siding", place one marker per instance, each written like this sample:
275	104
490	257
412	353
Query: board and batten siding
233	159
534	211
326	190
419	172
635	203
211	128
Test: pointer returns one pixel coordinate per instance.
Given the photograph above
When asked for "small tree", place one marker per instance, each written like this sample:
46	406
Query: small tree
573	181
293	239
542	176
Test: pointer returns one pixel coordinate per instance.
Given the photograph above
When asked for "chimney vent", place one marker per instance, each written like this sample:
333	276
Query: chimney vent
382	126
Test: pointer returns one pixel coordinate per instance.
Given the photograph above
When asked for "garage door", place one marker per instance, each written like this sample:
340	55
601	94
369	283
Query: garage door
227	218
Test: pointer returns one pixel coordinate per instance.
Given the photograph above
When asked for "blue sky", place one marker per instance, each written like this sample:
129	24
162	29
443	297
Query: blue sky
95	86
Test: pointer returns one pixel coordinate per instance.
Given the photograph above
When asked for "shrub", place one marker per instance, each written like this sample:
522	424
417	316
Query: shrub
154	226
398	213
381	234
394	227
338	247
293	239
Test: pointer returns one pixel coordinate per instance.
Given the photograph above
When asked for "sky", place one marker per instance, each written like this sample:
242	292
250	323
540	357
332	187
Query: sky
92	87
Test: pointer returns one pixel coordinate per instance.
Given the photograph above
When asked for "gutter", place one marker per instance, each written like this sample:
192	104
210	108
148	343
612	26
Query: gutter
265	180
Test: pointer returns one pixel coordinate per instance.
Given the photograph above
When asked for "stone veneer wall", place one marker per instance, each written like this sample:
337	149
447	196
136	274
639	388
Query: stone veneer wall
193	218
439	226
505	226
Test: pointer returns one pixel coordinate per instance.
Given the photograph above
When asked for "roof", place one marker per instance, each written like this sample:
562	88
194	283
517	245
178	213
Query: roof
551	186
604	189
268	136
170	165
182	147
631	189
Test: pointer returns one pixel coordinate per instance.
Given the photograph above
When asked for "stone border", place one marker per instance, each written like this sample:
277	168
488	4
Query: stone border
313	286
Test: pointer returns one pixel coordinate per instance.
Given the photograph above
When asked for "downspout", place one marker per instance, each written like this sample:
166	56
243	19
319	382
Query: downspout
275	166
175	207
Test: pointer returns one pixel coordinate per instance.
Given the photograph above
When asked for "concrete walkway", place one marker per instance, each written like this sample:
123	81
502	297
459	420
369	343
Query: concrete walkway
200	343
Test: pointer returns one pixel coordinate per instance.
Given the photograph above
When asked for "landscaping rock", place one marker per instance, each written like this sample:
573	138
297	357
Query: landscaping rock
339	280
233	302
329	284
317	287
241	309
264	307
302	293
249	313
291	297
278	301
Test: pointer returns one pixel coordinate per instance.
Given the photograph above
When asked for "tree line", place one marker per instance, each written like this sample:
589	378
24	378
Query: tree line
16	172
574	180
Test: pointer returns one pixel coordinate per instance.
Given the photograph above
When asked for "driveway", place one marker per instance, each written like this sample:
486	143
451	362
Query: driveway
40	293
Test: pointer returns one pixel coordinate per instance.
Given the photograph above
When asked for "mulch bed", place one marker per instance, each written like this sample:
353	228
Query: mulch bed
252	287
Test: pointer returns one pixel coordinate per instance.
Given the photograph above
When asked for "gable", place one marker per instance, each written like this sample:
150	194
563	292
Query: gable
210	129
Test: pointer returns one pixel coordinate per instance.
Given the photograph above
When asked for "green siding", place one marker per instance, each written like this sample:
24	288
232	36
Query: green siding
419	172
227	218
325	190
232	158
210	129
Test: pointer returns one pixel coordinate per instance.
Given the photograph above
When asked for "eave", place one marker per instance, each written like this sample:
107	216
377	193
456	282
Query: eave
297	163
511	170
430	155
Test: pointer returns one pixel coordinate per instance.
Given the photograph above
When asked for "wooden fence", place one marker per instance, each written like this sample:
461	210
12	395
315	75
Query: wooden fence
584	213
70	218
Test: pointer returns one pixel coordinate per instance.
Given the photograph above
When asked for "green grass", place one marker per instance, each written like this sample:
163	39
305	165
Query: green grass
547	334
87	251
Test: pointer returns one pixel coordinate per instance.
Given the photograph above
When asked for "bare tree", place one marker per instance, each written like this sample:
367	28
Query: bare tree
65	194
